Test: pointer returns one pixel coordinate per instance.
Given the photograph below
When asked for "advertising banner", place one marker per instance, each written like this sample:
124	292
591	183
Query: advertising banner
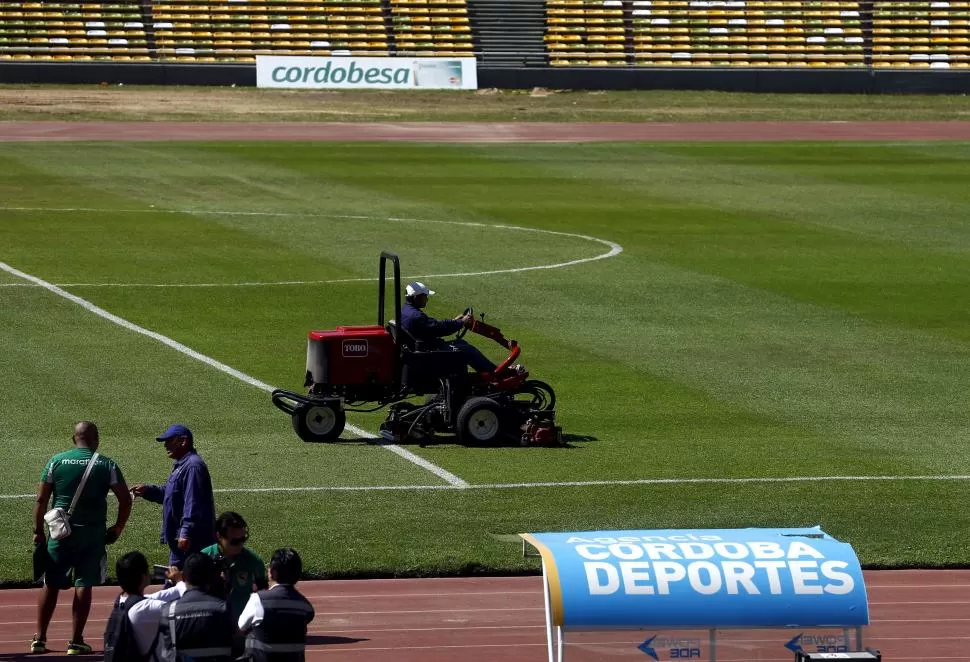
367	73
687	578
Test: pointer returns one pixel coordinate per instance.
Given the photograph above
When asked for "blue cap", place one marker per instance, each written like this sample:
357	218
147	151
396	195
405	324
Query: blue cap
175	430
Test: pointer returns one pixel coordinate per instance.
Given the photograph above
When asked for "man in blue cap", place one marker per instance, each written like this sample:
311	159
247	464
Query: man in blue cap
188	506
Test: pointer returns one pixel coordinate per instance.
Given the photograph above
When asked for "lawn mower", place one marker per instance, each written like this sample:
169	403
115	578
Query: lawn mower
367	368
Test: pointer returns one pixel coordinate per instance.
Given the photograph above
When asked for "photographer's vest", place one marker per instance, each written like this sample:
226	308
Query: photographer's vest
281	636
119	636
197	626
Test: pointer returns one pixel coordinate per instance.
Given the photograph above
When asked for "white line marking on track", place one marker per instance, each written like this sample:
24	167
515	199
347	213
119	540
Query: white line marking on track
453	480
450	610
587	483
614	248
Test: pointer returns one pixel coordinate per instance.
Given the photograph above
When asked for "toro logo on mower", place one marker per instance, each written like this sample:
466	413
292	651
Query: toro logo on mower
353	348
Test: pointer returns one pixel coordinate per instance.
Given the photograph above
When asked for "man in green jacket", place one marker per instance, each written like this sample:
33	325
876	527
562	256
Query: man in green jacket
242	570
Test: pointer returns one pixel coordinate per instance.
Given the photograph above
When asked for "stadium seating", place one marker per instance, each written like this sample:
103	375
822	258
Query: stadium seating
238	30
752	33
435	28
706	32
72	31
932	34
586	32
232	30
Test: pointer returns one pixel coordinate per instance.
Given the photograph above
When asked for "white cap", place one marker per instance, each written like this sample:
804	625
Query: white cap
416	288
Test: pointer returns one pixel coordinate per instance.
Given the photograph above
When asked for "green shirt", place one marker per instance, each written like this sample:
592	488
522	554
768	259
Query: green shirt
64	472
246	572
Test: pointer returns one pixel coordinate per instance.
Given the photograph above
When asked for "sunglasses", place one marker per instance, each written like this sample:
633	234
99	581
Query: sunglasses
238	541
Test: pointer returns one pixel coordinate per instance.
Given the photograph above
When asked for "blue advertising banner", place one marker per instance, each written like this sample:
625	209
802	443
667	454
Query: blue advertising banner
687	578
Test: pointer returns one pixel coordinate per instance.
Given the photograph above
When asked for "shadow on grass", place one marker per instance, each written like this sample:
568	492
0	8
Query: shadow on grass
568	441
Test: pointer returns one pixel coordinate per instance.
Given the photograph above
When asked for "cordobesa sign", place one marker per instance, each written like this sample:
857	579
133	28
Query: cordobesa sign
376	73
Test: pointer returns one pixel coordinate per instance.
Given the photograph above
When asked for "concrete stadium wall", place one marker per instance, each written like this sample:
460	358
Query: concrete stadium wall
848	81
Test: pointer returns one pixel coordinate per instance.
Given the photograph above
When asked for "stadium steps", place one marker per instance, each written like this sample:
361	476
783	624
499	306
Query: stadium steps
506	38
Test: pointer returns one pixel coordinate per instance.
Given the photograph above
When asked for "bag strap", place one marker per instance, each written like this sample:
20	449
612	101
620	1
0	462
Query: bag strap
84	479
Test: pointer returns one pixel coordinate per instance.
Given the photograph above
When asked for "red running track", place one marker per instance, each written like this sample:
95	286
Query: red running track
485	132
916	615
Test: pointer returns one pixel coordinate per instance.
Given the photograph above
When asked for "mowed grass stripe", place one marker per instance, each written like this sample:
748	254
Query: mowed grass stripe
450	532
724	341
794	359
783	220
68	362
326	214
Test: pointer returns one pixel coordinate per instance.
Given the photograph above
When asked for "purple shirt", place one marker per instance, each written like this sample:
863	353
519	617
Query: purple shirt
425	328
188	507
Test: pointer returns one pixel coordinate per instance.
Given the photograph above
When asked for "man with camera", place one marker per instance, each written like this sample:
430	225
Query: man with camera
131	634
275	620
197	626
243	572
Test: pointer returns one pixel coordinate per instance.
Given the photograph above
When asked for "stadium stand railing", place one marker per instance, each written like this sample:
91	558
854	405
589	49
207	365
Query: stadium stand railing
932	34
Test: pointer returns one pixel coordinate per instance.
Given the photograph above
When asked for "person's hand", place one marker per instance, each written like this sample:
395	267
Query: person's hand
184	544
174	574
137	490
467	320
111	535
39	538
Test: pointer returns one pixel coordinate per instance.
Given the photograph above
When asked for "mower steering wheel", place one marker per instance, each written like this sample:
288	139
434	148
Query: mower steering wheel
464	329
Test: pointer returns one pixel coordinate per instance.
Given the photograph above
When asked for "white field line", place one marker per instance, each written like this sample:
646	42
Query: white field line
450	478
578	483
614	248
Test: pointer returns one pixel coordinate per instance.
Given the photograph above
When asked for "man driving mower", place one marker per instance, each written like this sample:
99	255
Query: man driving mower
429	331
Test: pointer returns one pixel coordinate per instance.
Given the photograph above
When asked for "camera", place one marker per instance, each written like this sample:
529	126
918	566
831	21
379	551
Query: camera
220	577
159	574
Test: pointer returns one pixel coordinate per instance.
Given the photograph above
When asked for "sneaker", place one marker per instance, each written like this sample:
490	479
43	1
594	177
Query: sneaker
78	648
38	646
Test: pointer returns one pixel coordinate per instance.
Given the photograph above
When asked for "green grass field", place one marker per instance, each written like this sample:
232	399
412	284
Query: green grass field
777	311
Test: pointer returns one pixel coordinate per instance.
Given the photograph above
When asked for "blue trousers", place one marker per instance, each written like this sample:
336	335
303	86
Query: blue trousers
473	356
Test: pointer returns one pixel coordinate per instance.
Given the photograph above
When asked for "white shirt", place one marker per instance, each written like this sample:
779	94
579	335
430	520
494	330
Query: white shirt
147	614
252	614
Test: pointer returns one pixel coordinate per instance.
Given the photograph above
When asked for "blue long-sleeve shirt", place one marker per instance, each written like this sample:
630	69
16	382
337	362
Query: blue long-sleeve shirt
188	506
425	328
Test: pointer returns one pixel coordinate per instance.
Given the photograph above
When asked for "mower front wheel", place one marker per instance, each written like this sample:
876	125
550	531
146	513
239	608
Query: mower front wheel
319	422
479	421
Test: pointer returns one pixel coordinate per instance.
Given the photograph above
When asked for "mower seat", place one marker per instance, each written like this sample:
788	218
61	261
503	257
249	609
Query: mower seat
423	368
401	337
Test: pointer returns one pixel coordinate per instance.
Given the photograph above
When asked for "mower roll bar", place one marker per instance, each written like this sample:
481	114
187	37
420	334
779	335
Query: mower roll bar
382	287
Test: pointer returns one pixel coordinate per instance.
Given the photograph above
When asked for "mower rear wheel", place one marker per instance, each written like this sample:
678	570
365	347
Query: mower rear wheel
319	422
479	421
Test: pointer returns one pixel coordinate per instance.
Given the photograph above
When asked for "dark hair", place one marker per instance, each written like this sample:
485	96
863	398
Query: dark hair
132	568
286	566
230	520
199	570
